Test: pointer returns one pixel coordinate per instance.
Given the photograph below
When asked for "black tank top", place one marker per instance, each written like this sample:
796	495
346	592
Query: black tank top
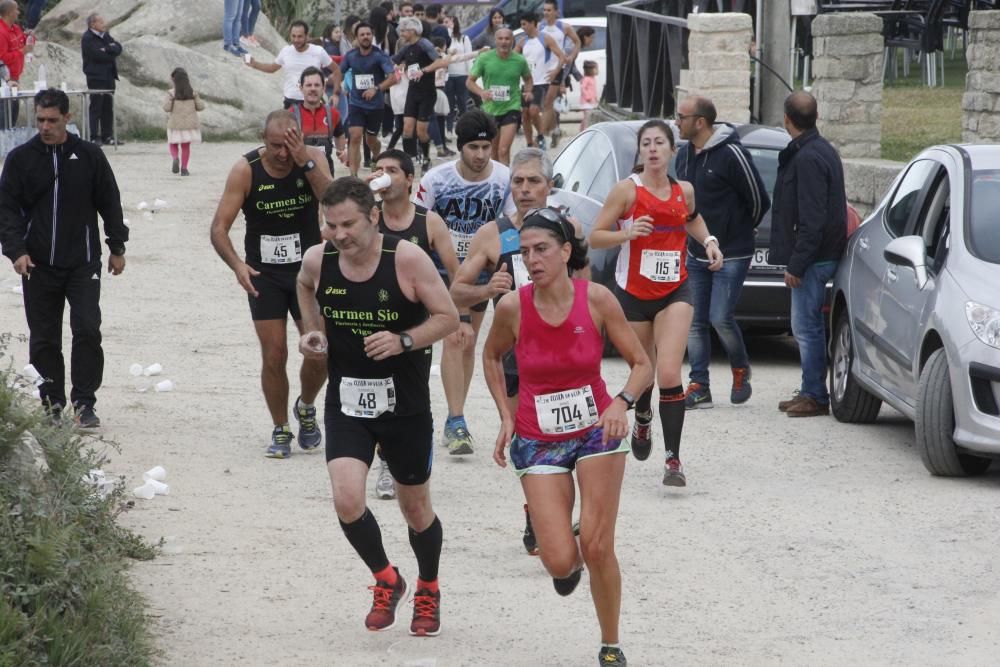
416	233
282	218
352	311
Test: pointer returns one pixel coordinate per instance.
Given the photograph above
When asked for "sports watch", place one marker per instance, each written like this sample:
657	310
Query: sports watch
308	166
406	340
628	398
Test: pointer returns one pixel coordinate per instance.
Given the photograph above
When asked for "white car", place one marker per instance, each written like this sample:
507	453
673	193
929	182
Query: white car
595	52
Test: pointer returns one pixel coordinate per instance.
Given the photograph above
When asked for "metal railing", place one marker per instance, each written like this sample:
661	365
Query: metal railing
646	50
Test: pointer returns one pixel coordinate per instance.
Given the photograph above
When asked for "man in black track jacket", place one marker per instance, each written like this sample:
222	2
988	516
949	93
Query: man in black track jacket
51	192
730	196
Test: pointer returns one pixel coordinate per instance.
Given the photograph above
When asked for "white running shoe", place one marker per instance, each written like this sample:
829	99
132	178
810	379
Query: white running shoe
385	486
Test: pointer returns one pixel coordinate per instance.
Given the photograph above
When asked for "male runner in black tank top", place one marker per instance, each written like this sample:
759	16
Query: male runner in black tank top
278	188
398	216
376	302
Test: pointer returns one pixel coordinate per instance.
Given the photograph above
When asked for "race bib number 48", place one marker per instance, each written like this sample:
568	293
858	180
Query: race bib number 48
367	398
364	81
285	249
661	266
566	411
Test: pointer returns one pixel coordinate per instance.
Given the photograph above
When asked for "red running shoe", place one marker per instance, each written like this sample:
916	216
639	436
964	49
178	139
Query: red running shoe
426	613
386	599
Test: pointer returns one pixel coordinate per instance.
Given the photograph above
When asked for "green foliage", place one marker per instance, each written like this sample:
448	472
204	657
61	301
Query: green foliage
281	13
64	596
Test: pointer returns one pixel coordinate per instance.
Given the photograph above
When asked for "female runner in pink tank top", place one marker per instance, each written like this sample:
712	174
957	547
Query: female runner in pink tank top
650	215
565	417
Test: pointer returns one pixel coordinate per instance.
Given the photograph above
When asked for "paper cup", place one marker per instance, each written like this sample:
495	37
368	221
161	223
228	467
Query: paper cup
153	369
159	488
156	473
135	370
247	58
146	492
164	385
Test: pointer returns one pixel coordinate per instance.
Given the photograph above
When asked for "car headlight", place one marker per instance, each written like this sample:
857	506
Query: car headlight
985	323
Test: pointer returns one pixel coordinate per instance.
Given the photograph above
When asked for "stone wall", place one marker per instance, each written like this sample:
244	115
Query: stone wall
981	101
719	63
867	181
847	70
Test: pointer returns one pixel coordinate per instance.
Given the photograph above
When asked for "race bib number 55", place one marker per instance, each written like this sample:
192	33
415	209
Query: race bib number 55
566	411
367	398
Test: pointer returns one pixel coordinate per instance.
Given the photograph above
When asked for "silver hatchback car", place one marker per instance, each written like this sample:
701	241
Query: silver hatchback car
916	309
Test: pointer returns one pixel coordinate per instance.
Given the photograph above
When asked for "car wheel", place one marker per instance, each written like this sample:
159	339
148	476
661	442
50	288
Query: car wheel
935	424
851	403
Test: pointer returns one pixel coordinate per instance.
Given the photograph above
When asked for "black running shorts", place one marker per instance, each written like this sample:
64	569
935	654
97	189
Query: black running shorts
419	104
646	310
407	443
369	119
278	297
539	92
509	118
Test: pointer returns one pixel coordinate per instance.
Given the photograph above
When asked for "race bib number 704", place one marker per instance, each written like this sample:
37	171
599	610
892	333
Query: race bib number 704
566	411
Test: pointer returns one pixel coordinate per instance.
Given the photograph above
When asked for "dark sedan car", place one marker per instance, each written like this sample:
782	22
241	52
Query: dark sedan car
596	159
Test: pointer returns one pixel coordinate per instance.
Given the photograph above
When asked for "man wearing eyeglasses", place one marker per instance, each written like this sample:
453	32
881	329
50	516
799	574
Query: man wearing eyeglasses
732	199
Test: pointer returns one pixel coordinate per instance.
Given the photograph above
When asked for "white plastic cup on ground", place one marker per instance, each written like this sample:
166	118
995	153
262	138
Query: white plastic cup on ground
164	385
146	492
247	58
31	373
159	488
135	370
152	369
141	206
157	473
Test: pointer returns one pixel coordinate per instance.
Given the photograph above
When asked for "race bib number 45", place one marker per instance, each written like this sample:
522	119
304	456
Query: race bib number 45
285	249
566	411
661	266
367	398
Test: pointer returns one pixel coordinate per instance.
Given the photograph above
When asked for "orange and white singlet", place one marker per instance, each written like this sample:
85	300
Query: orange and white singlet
651	267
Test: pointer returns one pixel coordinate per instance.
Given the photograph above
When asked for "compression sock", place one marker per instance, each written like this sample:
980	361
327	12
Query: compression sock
672	419
425	149
427	548
410	147
366	538
389	575
642	404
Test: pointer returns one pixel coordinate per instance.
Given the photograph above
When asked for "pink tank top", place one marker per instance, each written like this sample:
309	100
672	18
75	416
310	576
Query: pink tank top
559	368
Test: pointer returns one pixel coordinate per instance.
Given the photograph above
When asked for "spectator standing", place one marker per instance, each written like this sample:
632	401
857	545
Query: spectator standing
406	9
808	235
732	200
435	16
386	37
35	9
248	23
294	58
232	18
50	233
487	38
588	90
13	47
182	105
100	53
458	69
332	34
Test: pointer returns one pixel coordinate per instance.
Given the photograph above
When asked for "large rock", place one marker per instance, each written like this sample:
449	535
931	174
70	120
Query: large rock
156	38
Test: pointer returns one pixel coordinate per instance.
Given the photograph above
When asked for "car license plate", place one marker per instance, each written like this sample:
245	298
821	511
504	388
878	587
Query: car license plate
760	260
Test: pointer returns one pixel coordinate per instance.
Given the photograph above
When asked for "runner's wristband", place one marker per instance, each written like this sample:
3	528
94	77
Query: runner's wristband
709	239
467	319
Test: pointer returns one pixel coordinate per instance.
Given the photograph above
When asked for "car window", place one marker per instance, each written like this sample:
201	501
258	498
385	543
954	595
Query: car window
932	224
907	195
582	175
605	179
984	235
566	164
766	161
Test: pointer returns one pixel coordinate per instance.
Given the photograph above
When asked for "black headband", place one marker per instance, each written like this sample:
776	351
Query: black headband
550	219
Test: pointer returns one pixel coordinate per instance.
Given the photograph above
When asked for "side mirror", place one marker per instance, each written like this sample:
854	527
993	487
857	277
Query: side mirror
558	181
909	251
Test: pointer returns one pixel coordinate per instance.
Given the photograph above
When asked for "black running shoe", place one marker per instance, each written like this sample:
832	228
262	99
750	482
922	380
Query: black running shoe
86	417
566	586
642	437
310	436
530	543
611	657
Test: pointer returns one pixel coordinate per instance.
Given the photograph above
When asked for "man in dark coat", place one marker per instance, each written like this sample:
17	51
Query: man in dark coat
808	234
100	51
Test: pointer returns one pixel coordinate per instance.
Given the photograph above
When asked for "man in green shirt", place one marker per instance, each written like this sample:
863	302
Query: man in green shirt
502	71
